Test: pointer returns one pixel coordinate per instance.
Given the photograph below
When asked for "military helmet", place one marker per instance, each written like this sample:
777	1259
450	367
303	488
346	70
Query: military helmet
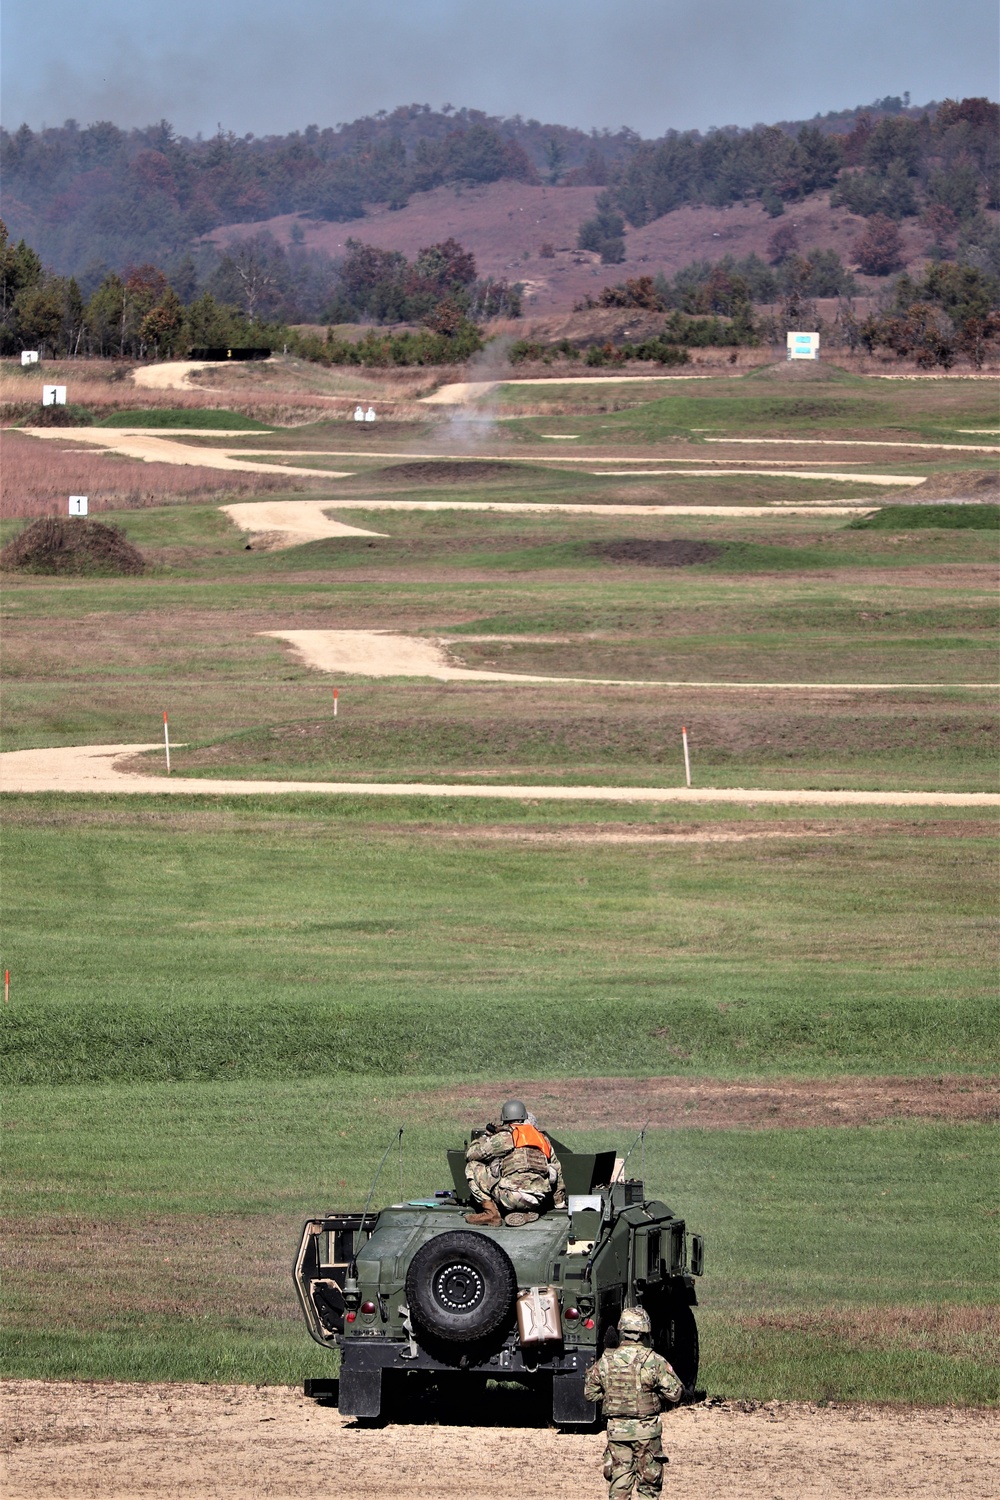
635	1321
513	1112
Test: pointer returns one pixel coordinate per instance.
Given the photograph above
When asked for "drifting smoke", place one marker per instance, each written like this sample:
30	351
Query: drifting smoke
472	426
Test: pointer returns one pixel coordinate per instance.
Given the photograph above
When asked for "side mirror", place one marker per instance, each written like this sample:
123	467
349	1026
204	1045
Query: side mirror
697	1255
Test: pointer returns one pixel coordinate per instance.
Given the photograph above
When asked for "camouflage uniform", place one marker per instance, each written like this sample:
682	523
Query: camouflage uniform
633	1383
515	1177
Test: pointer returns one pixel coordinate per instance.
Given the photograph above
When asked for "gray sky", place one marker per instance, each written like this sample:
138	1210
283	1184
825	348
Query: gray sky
270	66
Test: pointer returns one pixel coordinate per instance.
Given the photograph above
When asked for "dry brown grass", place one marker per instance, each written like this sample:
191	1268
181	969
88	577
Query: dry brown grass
37	478
286	392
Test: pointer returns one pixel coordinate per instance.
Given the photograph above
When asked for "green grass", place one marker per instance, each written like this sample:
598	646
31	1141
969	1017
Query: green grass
177	953
824	1274
915	517
221	1007
759	404
183	416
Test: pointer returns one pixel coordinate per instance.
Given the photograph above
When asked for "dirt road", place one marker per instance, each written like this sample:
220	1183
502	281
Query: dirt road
86	1441
95	768
168	451
174	376
385	653
291	522
460	392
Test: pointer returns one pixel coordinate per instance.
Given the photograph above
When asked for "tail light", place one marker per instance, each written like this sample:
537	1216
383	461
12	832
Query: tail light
571	1314
368	1307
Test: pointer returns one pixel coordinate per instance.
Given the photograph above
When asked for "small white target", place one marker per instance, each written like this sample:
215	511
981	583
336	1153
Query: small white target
53	395
359	414
370	414
29	357
78	505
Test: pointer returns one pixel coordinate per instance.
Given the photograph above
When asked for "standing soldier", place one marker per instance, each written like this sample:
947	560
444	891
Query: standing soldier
513	1173
633	1382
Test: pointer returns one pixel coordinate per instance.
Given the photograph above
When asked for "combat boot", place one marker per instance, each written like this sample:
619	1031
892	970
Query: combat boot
488	1217
517	1221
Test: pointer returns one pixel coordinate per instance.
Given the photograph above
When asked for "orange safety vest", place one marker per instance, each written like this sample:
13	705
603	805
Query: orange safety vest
527	1135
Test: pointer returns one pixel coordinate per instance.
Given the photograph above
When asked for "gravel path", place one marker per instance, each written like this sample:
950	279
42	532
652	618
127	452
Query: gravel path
94	768
104	1441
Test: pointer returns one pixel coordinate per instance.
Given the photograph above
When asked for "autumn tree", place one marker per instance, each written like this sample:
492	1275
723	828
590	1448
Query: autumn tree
879	249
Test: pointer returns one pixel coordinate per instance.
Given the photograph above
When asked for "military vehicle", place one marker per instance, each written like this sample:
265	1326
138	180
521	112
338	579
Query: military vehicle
413	1290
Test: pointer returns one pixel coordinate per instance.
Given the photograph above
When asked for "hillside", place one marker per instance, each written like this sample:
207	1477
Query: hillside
505	225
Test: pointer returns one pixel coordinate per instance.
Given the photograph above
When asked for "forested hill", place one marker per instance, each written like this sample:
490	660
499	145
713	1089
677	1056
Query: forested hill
94	198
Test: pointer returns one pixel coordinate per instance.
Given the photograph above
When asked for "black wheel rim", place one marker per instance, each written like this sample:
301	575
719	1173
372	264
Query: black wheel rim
459	1287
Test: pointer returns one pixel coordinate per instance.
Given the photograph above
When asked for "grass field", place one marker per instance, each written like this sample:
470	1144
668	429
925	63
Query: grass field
219	1012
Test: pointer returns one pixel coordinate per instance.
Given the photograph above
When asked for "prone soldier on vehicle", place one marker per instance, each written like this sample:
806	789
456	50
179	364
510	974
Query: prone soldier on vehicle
513	1172
633	1383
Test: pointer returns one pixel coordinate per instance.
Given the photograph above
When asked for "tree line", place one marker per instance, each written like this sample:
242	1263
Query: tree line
140	312
90	198
893	167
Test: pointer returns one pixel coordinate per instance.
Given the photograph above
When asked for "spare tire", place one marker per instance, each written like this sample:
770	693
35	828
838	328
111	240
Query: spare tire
461	1287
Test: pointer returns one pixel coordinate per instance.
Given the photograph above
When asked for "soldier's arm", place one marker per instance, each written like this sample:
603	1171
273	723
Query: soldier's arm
593	1385
489	1147
667	1383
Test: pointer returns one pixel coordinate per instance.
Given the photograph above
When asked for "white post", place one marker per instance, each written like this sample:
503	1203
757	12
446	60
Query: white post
687	757
166	740
336	694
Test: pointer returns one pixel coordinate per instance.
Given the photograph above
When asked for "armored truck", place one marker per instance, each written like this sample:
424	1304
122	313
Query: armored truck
412	1289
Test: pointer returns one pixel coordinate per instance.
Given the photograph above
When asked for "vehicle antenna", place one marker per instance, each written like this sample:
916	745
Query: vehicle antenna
385	1155
620	1174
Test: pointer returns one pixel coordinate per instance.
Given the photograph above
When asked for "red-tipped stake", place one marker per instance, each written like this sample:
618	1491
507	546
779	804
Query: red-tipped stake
166	740
336	695
6	986
687	757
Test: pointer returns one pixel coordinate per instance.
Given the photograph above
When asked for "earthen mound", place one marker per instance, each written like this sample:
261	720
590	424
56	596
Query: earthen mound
57	544
448	471
678	553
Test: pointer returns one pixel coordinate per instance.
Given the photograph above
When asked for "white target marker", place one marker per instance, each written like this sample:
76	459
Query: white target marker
687	757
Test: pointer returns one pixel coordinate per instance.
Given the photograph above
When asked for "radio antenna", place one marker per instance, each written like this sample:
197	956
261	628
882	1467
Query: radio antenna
620	1174
385	1156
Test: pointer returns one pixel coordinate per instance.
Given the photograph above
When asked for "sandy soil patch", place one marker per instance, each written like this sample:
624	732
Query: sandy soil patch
96	768
172	376
383	653
166	450
289	523
90	1441
717	1104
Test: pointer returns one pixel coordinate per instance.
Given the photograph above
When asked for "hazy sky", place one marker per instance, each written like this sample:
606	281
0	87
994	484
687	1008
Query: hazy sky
276	65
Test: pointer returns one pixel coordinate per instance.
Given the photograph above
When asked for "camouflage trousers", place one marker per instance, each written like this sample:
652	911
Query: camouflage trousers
524	1190
634	1463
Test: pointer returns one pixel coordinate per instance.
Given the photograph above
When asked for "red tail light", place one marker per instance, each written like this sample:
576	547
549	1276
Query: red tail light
571	1314
367	1307
588	1322
351	1317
